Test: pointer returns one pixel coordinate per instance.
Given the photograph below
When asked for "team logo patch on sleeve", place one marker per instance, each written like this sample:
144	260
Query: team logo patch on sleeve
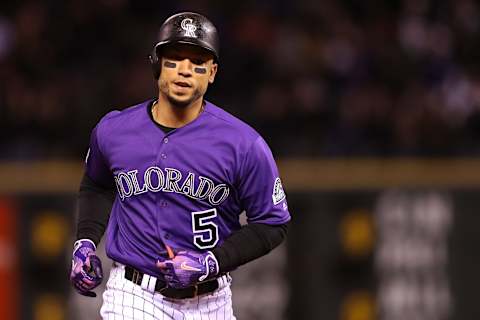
278	193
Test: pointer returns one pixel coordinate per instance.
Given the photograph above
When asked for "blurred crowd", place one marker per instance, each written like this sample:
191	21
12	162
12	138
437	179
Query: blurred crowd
315	78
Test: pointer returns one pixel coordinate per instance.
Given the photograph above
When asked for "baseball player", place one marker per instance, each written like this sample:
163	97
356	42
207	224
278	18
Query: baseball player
168	179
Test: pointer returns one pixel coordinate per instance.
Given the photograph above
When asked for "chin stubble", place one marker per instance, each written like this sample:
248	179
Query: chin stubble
183	103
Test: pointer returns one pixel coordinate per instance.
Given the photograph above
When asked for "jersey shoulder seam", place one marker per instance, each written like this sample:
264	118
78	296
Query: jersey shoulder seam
111	116
117	113
252	131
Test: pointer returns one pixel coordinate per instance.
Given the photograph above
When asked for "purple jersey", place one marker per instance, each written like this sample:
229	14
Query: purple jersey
185	188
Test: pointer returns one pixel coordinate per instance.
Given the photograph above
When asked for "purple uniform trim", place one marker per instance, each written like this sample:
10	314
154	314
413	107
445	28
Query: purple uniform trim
187	187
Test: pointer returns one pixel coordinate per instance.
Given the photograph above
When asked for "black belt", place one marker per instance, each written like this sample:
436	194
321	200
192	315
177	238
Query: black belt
161	287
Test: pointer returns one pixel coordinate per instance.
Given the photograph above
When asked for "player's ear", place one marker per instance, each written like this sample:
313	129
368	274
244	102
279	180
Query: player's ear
213	72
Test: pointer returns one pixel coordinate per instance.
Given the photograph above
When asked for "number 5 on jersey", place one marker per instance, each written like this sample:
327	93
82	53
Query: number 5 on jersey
205	232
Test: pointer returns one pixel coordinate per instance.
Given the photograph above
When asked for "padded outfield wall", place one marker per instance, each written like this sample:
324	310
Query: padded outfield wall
370	239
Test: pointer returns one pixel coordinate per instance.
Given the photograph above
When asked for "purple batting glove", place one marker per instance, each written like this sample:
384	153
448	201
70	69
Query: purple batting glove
188	268
86	273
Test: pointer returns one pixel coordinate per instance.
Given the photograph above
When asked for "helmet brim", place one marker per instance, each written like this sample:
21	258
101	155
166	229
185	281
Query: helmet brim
188	41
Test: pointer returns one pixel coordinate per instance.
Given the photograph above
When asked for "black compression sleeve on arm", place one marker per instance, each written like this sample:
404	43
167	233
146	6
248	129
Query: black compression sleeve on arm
94	205
250	242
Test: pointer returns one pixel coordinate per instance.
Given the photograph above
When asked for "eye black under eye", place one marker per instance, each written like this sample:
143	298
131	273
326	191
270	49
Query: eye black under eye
170	64
200	70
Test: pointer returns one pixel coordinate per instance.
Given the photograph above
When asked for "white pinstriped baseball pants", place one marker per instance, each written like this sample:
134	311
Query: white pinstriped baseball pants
124	300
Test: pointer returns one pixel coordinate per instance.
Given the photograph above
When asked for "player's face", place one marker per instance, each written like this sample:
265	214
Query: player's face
186	71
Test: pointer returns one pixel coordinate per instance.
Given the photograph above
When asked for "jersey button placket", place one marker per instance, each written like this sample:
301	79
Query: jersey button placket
163	154
162	203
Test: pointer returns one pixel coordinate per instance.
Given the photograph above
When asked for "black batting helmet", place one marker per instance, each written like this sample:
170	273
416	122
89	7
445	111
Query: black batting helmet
189	28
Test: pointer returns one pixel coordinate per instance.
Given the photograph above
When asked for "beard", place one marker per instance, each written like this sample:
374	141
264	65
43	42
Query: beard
180	103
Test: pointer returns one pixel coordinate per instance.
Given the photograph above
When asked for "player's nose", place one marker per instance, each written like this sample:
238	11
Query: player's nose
185	67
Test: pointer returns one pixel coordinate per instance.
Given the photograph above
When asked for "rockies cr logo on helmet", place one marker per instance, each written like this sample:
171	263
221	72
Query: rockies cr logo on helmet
189	27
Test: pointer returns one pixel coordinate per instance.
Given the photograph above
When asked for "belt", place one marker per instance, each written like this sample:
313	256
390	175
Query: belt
136	277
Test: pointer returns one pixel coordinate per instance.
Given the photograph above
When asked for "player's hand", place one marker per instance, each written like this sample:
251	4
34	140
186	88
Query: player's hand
188	268
86	273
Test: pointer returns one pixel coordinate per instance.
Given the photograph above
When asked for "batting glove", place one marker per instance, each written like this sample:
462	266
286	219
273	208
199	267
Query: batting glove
188	268
86	273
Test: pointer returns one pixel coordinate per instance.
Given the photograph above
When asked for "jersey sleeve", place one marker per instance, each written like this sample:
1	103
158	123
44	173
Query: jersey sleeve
260	189
96	166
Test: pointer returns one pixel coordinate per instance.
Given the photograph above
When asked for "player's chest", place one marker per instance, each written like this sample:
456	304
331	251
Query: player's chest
194	168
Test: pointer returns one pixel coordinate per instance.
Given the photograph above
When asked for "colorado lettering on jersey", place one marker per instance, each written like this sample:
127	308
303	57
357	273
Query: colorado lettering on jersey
170	180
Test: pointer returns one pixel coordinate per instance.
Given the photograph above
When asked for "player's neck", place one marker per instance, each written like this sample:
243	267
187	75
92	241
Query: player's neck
169	115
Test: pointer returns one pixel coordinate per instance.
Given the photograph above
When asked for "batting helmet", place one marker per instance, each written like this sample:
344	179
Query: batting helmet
189	28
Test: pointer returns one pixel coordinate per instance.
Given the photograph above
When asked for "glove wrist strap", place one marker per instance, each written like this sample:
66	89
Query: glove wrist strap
211	265
84	243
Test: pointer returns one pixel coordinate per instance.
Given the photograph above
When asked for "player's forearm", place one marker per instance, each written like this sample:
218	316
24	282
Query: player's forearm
94	205
249	243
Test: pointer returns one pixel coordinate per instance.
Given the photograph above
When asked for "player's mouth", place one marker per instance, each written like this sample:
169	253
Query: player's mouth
182	84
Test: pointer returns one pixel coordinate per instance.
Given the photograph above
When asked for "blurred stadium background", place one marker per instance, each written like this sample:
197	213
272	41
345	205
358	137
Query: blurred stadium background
371	107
